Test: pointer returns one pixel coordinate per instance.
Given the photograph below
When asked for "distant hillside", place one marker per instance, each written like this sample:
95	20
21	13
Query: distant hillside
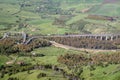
105	9
111	1
58	16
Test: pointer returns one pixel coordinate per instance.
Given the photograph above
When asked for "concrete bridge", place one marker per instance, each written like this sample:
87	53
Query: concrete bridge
90	36
85	36
94	36
22	35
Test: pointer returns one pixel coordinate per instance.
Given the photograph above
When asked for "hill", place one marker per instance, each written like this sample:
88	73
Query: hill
57	16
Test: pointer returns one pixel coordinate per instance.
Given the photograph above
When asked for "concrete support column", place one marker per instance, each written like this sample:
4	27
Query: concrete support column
96	37
111	37
106	37
101	37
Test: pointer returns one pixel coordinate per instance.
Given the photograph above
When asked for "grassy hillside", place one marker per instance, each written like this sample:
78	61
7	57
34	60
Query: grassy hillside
105	9
111	72
98	74
37	17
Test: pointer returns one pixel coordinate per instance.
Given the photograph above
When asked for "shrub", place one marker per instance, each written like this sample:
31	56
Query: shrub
40	75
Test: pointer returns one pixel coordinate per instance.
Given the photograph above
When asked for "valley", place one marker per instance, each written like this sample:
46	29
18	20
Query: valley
59	40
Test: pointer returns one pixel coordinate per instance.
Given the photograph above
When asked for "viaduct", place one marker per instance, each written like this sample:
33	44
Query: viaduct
27	39
22	35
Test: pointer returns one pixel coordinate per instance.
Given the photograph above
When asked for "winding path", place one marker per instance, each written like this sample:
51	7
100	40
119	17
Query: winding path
79	49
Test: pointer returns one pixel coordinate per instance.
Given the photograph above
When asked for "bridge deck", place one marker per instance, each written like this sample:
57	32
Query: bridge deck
101	36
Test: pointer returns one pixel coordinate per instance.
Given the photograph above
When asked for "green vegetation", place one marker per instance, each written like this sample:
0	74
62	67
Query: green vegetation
93	66
8	45
3	59
51	55
101	73
34	73
31	17
46	17
106	10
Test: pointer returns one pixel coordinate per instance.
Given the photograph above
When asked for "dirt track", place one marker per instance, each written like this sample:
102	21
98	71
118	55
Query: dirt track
80	49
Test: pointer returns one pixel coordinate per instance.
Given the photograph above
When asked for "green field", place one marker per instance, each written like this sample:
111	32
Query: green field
33	76
3	59
51	54
98	74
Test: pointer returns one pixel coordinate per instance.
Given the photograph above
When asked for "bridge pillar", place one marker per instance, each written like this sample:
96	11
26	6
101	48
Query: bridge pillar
5	35
106	37
111	38
96	37
101	37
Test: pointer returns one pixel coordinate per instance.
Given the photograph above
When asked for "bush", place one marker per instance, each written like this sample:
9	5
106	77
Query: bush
40	75
13	78
9	46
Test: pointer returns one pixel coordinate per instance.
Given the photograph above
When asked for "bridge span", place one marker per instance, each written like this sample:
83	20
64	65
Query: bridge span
94	36
22	35
27	40
85	36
